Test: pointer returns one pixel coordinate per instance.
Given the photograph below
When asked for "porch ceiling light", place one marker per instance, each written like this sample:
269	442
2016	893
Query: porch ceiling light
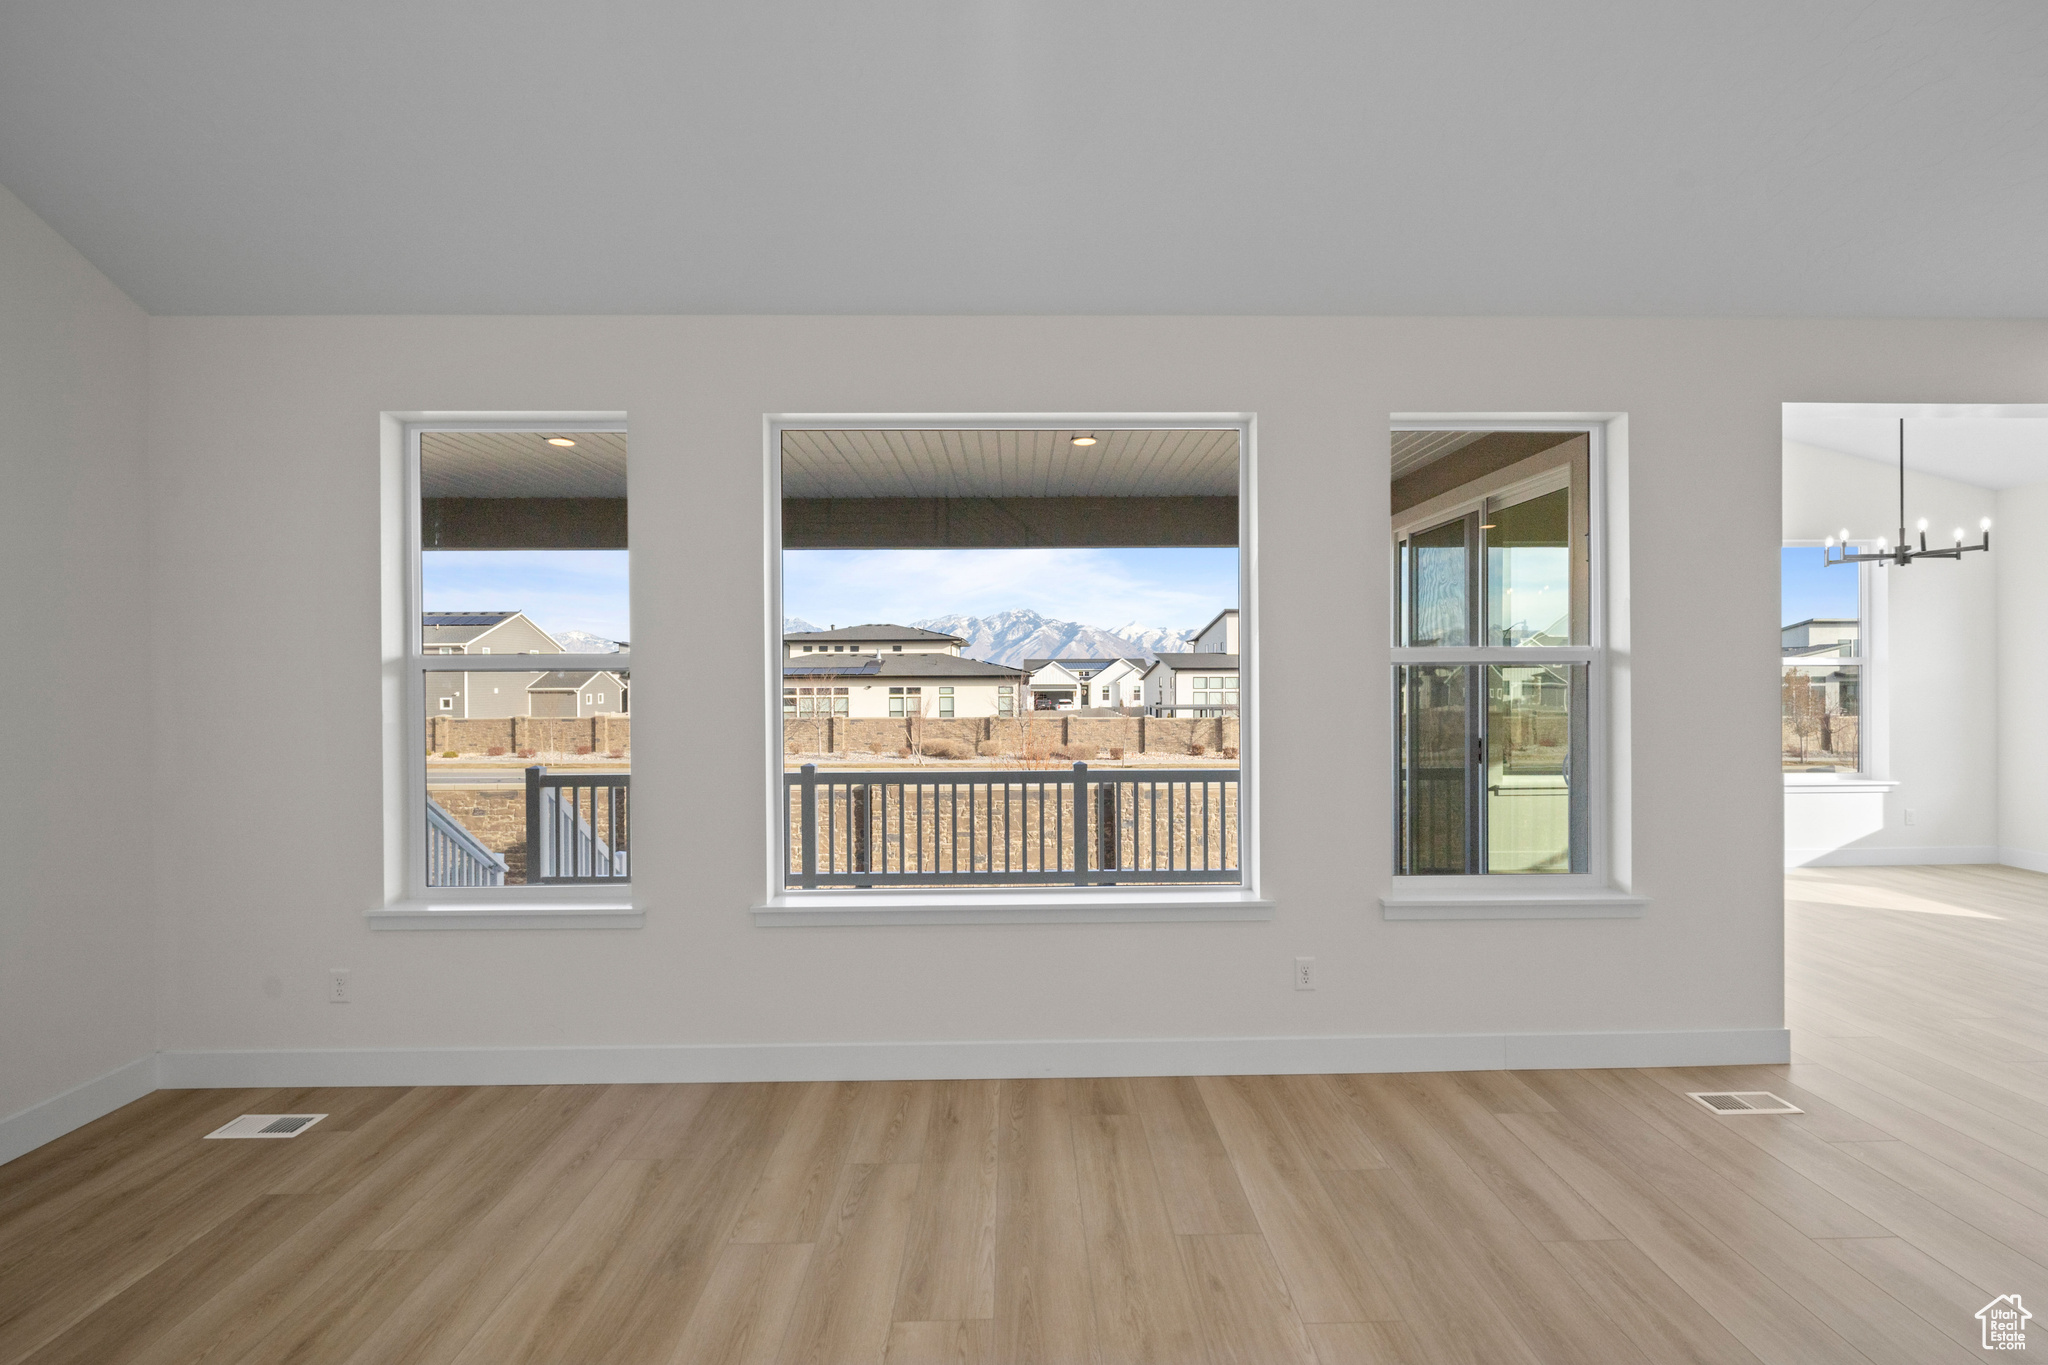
1900	554
561	441
1081	440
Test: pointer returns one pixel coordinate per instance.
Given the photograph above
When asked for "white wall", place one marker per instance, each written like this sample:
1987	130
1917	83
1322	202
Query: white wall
2019	529
265	433
75	857
1941	686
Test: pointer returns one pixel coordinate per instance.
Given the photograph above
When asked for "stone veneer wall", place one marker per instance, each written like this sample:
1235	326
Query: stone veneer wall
1133	734
541	734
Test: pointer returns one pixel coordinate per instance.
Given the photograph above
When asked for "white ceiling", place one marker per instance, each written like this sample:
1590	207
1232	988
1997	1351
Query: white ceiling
2001	446
521	464
1833	157
1008	464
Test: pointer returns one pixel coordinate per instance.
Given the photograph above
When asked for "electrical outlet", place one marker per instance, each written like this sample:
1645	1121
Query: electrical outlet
337	986
1304	973
1912	816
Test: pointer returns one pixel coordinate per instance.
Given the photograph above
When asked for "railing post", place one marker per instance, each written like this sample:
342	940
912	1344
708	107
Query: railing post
857	827
1080	824
1109	824
808	783
535	867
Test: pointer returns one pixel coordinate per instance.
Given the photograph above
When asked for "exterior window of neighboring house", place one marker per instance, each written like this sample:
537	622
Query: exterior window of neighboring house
811	702
510	818
1006	700
1499	666
1825	663
897	648
1215	692
789	703
945	703
906	701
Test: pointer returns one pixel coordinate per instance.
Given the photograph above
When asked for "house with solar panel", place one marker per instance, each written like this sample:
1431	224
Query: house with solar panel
495	696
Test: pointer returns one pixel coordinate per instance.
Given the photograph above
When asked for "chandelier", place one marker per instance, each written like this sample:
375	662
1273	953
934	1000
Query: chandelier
1900	553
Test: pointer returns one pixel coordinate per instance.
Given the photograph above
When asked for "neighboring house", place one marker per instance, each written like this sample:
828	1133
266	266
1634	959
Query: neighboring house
1219	636
872	640
577	694
478	696
1066	684
1820	638
936	684
1192	684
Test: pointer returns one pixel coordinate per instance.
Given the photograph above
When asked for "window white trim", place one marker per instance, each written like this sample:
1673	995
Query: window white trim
1603	889
968	905
406	662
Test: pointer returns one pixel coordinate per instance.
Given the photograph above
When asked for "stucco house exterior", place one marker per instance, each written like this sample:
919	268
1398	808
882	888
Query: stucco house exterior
1066	684
935	683
1192	685
873	640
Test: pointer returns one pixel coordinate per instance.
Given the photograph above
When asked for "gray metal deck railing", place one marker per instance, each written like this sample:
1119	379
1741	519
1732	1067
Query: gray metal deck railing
1010	827
578	826
455	857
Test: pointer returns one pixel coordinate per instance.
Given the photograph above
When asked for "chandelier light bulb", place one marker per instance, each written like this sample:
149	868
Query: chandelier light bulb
1984	525
1959	535
1845	535
1923	523
1829	542
1880	545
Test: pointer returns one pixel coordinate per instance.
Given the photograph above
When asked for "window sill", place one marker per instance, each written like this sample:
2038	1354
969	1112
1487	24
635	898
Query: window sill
571	915
1809	782
1563	904
801	910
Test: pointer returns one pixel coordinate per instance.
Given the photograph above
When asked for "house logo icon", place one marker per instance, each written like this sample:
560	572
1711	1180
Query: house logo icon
2005	1323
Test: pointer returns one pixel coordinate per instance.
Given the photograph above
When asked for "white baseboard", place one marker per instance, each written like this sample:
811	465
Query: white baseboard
942	1061
2023	859
1929	855
53	1118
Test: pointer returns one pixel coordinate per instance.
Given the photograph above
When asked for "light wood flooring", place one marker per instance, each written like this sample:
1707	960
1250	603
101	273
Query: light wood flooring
1567	1216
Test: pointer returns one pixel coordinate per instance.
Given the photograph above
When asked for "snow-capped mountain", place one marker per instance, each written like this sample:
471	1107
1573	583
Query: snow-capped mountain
1011	637
583	642
795	625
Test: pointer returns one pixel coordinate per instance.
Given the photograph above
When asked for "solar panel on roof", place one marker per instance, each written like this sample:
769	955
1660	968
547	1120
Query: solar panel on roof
450	618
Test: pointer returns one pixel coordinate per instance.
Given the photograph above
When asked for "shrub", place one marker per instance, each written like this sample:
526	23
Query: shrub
903	753
582	748
496	751
1196	750
1074	752
526	753
990	748
1228	751
450	753
946	748
616	753
1116	753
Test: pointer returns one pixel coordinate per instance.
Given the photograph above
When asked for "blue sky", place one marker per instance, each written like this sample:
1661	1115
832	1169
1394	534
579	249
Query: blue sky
1809	589
560	589
1176	588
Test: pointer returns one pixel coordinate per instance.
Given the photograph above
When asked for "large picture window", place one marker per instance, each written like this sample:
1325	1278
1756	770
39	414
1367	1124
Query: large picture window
1032	698
517	664
1497	652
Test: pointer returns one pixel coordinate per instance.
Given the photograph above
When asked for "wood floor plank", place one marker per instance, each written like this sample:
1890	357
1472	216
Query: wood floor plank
464	1283
746	1308
1534	1193
1195	1171
894	1118
941	1343
1245	1315
949	1260
1143	1311
1665	1322
789	1202
1327	1277
843	1315
1366	1343
1044	1303
1944	1299
1325	1112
